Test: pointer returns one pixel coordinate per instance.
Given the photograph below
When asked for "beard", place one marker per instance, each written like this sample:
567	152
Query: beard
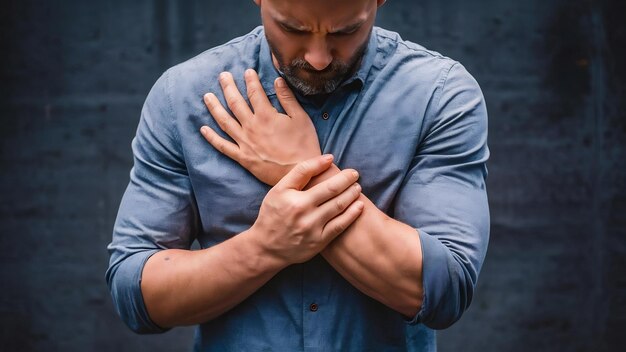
304	78
309	81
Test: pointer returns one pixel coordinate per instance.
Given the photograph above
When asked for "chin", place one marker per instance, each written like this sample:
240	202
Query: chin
313	87
308	89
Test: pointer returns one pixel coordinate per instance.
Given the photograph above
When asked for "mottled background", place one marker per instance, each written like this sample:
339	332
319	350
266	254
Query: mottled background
73	77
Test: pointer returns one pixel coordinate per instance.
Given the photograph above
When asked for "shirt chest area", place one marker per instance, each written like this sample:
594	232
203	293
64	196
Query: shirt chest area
359	135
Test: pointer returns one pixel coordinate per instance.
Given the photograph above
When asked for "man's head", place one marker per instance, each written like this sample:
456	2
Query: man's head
317	43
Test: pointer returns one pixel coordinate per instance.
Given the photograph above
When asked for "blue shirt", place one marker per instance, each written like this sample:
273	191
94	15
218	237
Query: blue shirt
411	121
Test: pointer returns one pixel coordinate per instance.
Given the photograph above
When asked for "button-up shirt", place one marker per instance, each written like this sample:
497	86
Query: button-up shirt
411	121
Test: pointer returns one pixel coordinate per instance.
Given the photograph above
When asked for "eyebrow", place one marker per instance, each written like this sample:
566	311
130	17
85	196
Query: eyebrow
349	28
299	27
291	25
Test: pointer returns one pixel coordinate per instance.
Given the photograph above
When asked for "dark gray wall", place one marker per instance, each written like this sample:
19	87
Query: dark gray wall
73	78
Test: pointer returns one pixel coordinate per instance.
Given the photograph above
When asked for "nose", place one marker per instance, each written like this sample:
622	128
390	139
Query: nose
318	54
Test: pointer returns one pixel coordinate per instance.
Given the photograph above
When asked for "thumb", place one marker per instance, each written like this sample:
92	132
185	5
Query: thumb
287	100
302	173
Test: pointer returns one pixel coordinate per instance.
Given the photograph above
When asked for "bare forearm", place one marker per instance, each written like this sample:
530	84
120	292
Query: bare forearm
381	257
183	287
188	287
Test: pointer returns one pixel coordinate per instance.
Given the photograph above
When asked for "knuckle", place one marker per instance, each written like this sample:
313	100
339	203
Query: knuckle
296	205
356	191
338	228
222	148
232	101
240	107
225	124
340	205
302	225
332	187
300	206
253	91
302	168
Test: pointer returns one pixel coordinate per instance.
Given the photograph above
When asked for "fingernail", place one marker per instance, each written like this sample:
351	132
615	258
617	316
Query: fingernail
249	72
223	75
328	157
359	205
358	187
280	82
355	173
203	129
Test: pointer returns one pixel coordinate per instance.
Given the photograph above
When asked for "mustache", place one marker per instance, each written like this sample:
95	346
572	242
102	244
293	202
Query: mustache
334	66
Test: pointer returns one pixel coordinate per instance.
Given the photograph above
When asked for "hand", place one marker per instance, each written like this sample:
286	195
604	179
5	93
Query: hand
268	143
294	225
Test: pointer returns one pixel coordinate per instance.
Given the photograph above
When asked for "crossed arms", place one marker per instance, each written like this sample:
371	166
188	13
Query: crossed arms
378	255
316	208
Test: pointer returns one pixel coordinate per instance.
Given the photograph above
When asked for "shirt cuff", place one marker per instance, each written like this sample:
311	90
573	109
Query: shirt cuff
435	279
125	286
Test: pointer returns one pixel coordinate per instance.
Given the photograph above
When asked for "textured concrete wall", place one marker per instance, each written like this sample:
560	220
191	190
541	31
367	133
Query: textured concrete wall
73	78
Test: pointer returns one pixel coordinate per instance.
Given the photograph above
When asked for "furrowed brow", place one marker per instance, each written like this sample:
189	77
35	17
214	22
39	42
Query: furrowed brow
349	28
290	24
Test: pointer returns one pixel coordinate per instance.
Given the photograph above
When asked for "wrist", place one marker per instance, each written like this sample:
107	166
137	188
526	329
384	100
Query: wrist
262	259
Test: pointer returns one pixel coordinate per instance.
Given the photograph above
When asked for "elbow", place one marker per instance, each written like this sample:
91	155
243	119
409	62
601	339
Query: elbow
138	325
454	301
413	303
137	321
410	308
449	281
449	278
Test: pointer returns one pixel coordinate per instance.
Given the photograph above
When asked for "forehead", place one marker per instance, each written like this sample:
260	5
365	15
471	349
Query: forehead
311	12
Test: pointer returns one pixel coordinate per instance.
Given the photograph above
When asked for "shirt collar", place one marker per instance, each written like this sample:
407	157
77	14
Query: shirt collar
268	73
367	61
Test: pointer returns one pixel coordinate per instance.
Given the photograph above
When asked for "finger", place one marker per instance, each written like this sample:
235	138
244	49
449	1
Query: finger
338	204
302	173
256	93
330	188
225	147
234	99
287	99
340	223
226	122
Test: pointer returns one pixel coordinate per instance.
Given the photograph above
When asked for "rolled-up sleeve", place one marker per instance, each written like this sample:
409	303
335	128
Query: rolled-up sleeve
444	197
158	210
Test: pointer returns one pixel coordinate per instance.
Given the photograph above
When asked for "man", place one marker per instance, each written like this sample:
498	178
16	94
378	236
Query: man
296	254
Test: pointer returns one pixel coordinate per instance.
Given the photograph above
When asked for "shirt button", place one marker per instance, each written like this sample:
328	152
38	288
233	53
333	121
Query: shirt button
313	307
325	116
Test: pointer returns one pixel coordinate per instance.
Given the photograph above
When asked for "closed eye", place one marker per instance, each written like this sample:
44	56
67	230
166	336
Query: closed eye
342	33
291	30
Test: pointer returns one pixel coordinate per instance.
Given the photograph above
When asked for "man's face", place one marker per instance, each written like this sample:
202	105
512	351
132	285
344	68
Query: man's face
317	43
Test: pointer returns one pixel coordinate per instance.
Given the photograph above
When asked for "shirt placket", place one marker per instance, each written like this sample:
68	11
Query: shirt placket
318	303
325	116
